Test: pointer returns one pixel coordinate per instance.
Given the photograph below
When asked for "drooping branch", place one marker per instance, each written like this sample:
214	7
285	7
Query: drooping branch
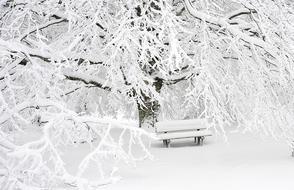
76	76
239	12
179	79
234	30
41	27
174	78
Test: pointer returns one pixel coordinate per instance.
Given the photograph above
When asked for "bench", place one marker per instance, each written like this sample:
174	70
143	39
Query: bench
178	129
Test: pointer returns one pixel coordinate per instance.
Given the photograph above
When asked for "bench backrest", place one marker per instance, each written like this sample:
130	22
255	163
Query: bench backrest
180	125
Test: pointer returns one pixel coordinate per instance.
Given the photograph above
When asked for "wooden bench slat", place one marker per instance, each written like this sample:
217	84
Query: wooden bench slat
181	122
179	125
180	128
183	134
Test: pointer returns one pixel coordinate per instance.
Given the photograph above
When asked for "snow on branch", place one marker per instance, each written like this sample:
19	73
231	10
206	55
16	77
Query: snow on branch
239	12
40	161
41	27
87	79
234	30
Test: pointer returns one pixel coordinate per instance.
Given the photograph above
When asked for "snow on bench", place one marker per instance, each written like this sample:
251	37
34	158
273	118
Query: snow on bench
178	129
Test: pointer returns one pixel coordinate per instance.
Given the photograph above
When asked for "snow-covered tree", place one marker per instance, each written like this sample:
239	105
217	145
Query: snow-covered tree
65	64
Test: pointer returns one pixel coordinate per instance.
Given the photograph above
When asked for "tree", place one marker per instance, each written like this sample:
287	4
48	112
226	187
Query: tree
227	61
116	41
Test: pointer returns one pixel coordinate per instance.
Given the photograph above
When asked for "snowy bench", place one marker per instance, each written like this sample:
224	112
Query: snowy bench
178	129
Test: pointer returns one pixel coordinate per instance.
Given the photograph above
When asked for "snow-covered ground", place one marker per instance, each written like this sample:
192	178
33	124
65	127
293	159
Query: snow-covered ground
245	162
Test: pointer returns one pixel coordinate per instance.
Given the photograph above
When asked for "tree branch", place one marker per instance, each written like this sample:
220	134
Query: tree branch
76	76
235	31
43	26
240	12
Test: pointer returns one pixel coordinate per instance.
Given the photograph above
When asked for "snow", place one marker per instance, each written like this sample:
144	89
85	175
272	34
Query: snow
183	134
180	60
244	162
179	125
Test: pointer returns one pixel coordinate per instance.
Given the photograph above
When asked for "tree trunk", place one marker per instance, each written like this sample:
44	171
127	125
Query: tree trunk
149	112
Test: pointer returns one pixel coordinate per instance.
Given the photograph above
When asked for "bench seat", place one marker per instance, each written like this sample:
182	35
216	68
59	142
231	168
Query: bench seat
178	129
183	134
180	125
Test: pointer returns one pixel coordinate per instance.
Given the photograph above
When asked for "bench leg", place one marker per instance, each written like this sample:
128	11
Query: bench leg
201	139
198	140
195	140
165	142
